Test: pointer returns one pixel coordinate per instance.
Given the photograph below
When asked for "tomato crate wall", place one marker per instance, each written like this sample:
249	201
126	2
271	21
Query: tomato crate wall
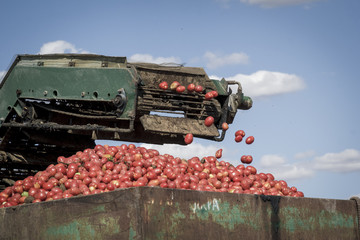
156	213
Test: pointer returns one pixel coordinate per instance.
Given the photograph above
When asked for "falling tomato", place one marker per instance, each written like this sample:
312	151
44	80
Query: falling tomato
240	132
246	159
188	138
218	153
238	138
249	159
250	140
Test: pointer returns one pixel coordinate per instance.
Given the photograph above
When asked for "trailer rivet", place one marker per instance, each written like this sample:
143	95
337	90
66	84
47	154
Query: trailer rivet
45	93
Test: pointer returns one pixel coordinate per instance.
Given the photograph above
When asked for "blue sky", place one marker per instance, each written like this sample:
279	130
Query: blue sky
297	59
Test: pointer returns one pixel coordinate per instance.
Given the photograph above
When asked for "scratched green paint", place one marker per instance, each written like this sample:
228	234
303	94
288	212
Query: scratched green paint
295	219
229	215
72	230
83	228
175	219
177	215
97	209
160	235
111	224
158	216
172	220
132	233
335	220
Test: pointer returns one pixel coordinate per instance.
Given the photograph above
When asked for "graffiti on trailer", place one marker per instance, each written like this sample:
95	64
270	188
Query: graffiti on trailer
211	205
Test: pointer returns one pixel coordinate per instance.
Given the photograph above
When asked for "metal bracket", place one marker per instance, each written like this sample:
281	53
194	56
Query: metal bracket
357	202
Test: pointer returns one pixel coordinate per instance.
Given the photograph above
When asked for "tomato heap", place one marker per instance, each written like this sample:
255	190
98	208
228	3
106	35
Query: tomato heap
106	168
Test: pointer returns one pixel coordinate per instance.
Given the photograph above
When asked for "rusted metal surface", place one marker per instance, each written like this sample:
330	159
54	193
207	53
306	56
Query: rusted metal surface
191	105
153	74
178	126
113	215
203	215
155	213
357	201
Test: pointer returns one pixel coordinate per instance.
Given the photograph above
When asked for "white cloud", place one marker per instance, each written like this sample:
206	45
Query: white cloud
345	161
2	75
215	61
266	83
150	59
276	3
271	160
186	152
304	155
281	169
342	162
59	46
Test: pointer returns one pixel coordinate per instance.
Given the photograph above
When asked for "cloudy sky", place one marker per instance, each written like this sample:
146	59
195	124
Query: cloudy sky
297	59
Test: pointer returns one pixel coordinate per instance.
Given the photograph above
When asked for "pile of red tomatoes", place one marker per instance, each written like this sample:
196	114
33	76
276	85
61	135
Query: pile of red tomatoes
106	168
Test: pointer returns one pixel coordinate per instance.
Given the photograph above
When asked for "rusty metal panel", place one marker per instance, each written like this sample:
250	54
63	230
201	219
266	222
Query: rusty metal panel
156	213
178	126
182	214
102	216
153	74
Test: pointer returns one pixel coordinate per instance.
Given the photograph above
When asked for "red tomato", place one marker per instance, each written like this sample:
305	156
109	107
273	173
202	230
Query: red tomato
240	132
249	159
188	138
180	89
174	85
191	87
250	140
225	126
199	88
209	96
218	153
243	158
164	85
209	121
215	93
238	138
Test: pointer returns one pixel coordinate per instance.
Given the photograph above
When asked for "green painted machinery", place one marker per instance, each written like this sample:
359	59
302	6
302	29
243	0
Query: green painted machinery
57	104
